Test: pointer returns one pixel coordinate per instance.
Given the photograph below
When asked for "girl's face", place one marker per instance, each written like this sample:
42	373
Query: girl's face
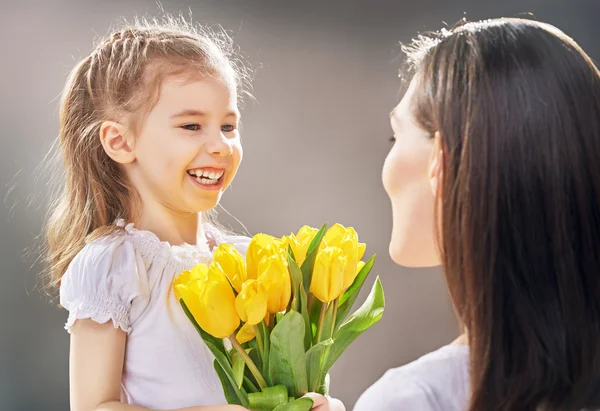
407	178
188	150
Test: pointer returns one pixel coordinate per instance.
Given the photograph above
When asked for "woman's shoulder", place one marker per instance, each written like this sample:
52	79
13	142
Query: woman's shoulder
437	381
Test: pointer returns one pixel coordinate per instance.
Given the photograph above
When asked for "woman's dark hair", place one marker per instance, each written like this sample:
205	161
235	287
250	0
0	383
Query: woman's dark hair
517	106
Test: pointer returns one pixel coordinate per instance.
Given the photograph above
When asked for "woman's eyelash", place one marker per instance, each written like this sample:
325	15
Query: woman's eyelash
228	128
392	139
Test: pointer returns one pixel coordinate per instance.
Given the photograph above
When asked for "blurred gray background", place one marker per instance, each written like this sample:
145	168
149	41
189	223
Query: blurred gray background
314	140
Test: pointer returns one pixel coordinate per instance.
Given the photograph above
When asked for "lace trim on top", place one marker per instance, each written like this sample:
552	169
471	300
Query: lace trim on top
179	257
101	309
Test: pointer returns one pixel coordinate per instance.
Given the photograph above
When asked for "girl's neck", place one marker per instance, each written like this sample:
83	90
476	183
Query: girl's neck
176	229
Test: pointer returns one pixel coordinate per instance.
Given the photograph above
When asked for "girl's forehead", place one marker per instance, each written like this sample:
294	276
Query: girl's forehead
201	94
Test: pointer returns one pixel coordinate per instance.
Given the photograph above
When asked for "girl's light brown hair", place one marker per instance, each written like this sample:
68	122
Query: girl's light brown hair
119	81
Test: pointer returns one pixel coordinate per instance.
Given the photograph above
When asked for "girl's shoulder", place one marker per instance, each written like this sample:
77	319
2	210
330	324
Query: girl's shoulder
104	280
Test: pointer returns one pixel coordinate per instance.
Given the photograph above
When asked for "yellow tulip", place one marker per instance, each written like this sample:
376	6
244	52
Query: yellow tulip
275	277
335	235
260	246
362	247
346	239
208	295
251	302
232	263
328	274
180	285
292	241
245	334
300	242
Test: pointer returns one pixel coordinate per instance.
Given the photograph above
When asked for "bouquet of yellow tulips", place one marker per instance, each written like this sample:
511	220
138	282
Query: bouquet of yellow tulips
285	311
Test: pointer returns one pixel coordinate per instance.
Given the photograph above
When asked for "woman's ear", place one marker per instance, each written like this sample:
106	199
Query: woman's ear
435	164
117	142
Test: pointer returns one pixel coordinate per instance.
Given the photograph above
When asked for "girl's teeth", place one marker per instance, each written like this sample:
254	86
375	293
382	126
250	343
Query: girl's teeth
206	181
207	174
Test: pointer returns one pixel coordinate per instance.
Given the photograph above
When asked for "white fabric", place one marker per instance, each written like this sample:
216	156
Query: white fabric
127	278
438	381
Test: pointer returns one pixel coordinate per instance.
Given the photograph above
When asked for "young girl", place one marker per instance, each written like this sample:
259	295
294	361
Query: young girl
150	141
499	134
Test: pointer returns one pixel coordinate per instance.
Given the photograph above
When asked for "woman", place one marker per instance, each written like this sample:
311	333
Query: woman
501	123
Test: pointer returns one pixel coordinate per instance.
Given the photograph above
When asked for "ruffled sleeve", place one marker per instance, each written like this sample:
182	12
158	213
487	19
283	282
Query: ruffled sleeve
106	281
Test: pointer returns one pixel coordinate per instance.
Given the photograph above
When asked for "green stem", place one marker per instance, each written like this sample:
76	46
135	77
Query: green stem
271	321
309	302
251	366
321	321
334	314
259	340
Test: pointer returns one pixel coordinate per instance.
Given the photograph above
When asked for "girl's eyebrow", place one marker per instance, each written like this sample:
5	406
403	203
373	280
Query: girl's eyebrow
198	113
189	112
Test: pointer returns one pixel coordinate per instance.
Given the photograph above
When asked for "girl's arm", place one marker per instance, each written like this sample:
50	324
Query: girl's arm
96	365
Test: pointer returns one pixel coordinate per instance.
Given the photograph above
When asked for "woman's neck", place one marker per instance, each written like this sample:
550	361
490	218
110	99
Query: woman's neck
462	339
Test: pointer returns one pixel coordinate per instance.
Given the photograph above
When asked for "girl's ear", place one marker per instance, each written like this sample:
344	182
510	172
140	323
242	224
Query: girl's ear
435	164
117	142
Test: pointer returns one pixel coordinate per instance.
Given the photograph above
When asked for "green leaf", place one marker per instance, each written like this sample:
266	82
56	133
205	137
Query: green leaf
256	360
268	398
311	255
296	277
232	393
351	294
291	252
216	342
264	331
315	312
217	347
287	359
316	359
307	327
328	324
301	404
238	369
367	315
249	386
278	317
300	300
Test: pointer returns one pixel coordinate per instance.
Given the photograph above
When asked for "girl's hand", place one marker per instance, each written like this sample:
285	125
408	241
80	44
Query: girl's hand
322	403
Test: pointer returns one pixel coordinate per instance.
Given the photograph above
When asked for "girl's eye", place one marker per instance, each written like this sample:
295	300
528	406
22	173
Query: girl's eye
227	128
392	139
191	127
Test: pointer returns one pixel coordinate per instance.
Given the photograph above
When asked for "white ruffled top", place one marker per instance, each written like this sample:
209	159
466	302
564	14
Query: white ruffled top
127	278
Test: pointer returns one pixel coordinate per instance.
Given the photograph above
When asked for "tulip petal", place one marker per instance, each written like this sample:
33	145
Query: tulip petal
251	302
245	334
328	274
274	276
212	302
362	247
232	263
335	235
